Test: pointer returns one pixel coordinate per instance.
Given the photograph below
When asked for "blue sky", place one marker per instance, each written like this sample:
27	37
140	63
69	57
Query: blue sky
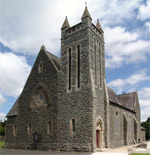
25	25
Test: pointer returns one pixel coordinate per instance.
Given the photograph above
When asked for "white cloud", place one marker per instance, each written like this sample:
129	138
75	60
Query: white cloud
124	47
121	85
2	116
144	11
147	24
114	12
2	99
119	34
144	96
145	103
145	113
29	24
145	93
14	71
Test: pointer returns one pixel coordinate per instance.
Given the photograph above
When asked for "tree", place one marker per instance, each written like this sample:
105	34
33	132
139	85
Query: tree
146	125
148	119
2	131
2	128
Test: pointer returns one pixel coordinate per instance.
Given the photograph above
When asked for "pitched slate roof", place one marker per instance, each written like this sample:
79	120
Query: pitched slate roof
125	100
55	59
112	96
14	110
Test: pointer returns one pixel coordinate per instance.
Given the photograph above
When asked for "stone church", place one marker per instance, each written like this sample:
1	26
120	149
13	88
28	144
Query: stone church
66	105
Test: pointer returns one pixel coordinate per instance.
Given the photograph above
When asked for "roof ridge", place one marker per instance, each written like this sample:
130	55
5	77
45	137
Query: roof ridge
126	93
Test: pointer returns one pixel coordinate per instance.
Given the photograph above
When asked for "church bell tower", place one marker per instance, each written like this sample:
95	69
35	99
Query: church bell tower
81	76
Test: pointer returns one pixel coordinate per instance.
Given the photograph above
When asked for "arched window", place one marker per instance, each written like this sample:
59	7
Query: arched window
73	125
129	125
69	82
116	122
14	130
39	97
100	66
49	128
29	129
40	68
78	64
95	61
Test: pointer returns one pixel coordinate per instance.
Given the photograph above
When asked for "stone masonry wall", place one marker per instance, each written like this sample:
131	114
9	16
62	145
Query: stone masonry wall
38	116
77	102
117	139
96	39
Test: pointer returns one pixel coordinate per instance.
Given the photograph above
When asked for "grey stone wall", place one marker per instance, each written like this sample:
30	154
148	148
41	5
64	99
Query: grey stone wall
97	87
38	116
10	139
77	102
86	103
117	139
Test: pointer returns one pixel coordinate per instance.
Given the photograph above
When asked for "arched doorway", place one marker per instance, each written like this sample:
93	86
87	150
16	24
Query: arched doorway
99	134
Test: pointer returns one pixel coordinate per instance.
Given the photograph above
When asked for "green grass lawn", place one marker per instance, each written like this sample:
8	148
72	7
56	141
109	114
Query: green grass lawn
2	144
140	154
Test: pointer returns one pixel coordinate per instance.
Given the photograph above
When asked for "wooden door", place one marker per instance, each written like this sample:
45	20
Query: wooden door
97	138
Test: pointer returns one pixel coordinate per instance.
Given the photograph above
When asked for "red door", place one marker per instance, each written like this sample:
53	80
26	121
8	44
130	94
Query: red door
97	138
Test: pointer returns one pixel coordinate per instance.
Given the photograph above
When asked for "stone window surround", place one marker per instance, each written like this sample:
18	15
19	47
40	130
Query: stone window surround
68	90
100	64
78	88
40	67
129	124
116	118
68	78
14	130
99	50
49	127
71	128
29	129
125	128
95	58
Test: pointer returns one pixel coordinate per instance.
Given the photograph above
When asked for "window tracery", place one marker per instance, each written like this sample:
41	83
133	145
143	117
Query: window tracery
39	97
